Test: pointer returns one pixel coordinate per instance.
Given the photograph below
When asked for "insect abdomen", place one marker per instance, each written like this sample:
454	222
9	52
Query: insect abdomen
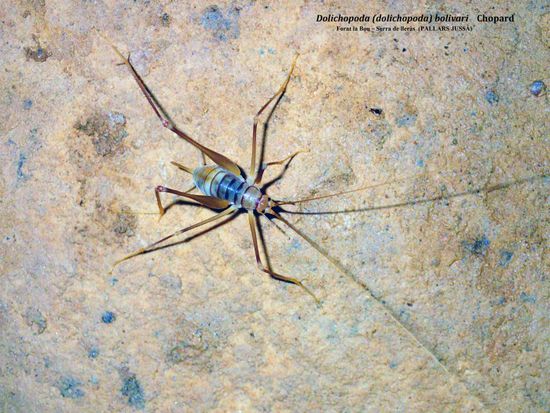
220	183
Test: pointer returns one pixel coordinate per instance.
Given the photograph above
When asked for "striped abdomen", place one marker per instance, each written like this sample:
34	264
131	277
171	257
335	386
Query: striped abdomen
217	182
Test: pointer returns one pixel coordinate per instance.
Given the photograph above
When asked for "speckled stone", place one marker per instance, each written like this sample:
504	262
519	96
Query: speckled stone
437	297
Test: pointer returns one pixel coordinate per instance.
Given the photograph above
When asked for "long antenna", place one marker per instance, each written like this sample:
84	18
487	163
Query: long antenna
363	188
386	309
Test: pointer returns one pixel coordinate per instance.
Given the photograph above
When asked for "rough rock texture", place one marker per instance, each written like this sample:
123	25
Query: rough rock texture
456	249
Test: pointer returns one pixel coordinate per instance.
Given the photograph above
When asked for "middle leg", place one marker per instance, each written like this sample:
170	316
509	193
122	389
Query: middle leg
162	210
279	92
207	201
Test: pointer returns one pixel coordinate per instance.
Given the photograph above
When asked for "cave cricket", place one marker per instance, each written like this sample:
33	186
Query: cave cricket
226	189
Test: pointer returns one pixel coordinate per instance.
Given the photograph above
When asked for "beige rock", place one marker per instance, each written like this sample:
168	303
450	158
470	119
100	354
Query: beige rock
452	248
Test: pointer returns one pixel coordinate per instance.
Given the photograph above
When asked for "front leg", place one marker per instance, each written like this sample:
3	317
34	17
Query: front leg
266	267
264	166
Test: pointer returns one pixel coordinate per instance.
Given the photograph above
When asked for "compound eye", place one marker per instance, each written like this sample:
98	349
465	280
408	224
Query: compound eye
262	205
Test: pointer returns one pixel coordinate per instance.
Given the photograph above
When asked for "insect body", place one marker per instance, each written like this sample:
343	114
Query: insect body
224	186
215	181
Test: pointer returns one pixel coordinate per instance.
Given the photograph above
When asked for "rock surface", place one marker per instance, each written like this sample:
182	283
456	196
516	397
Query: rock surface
439	297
